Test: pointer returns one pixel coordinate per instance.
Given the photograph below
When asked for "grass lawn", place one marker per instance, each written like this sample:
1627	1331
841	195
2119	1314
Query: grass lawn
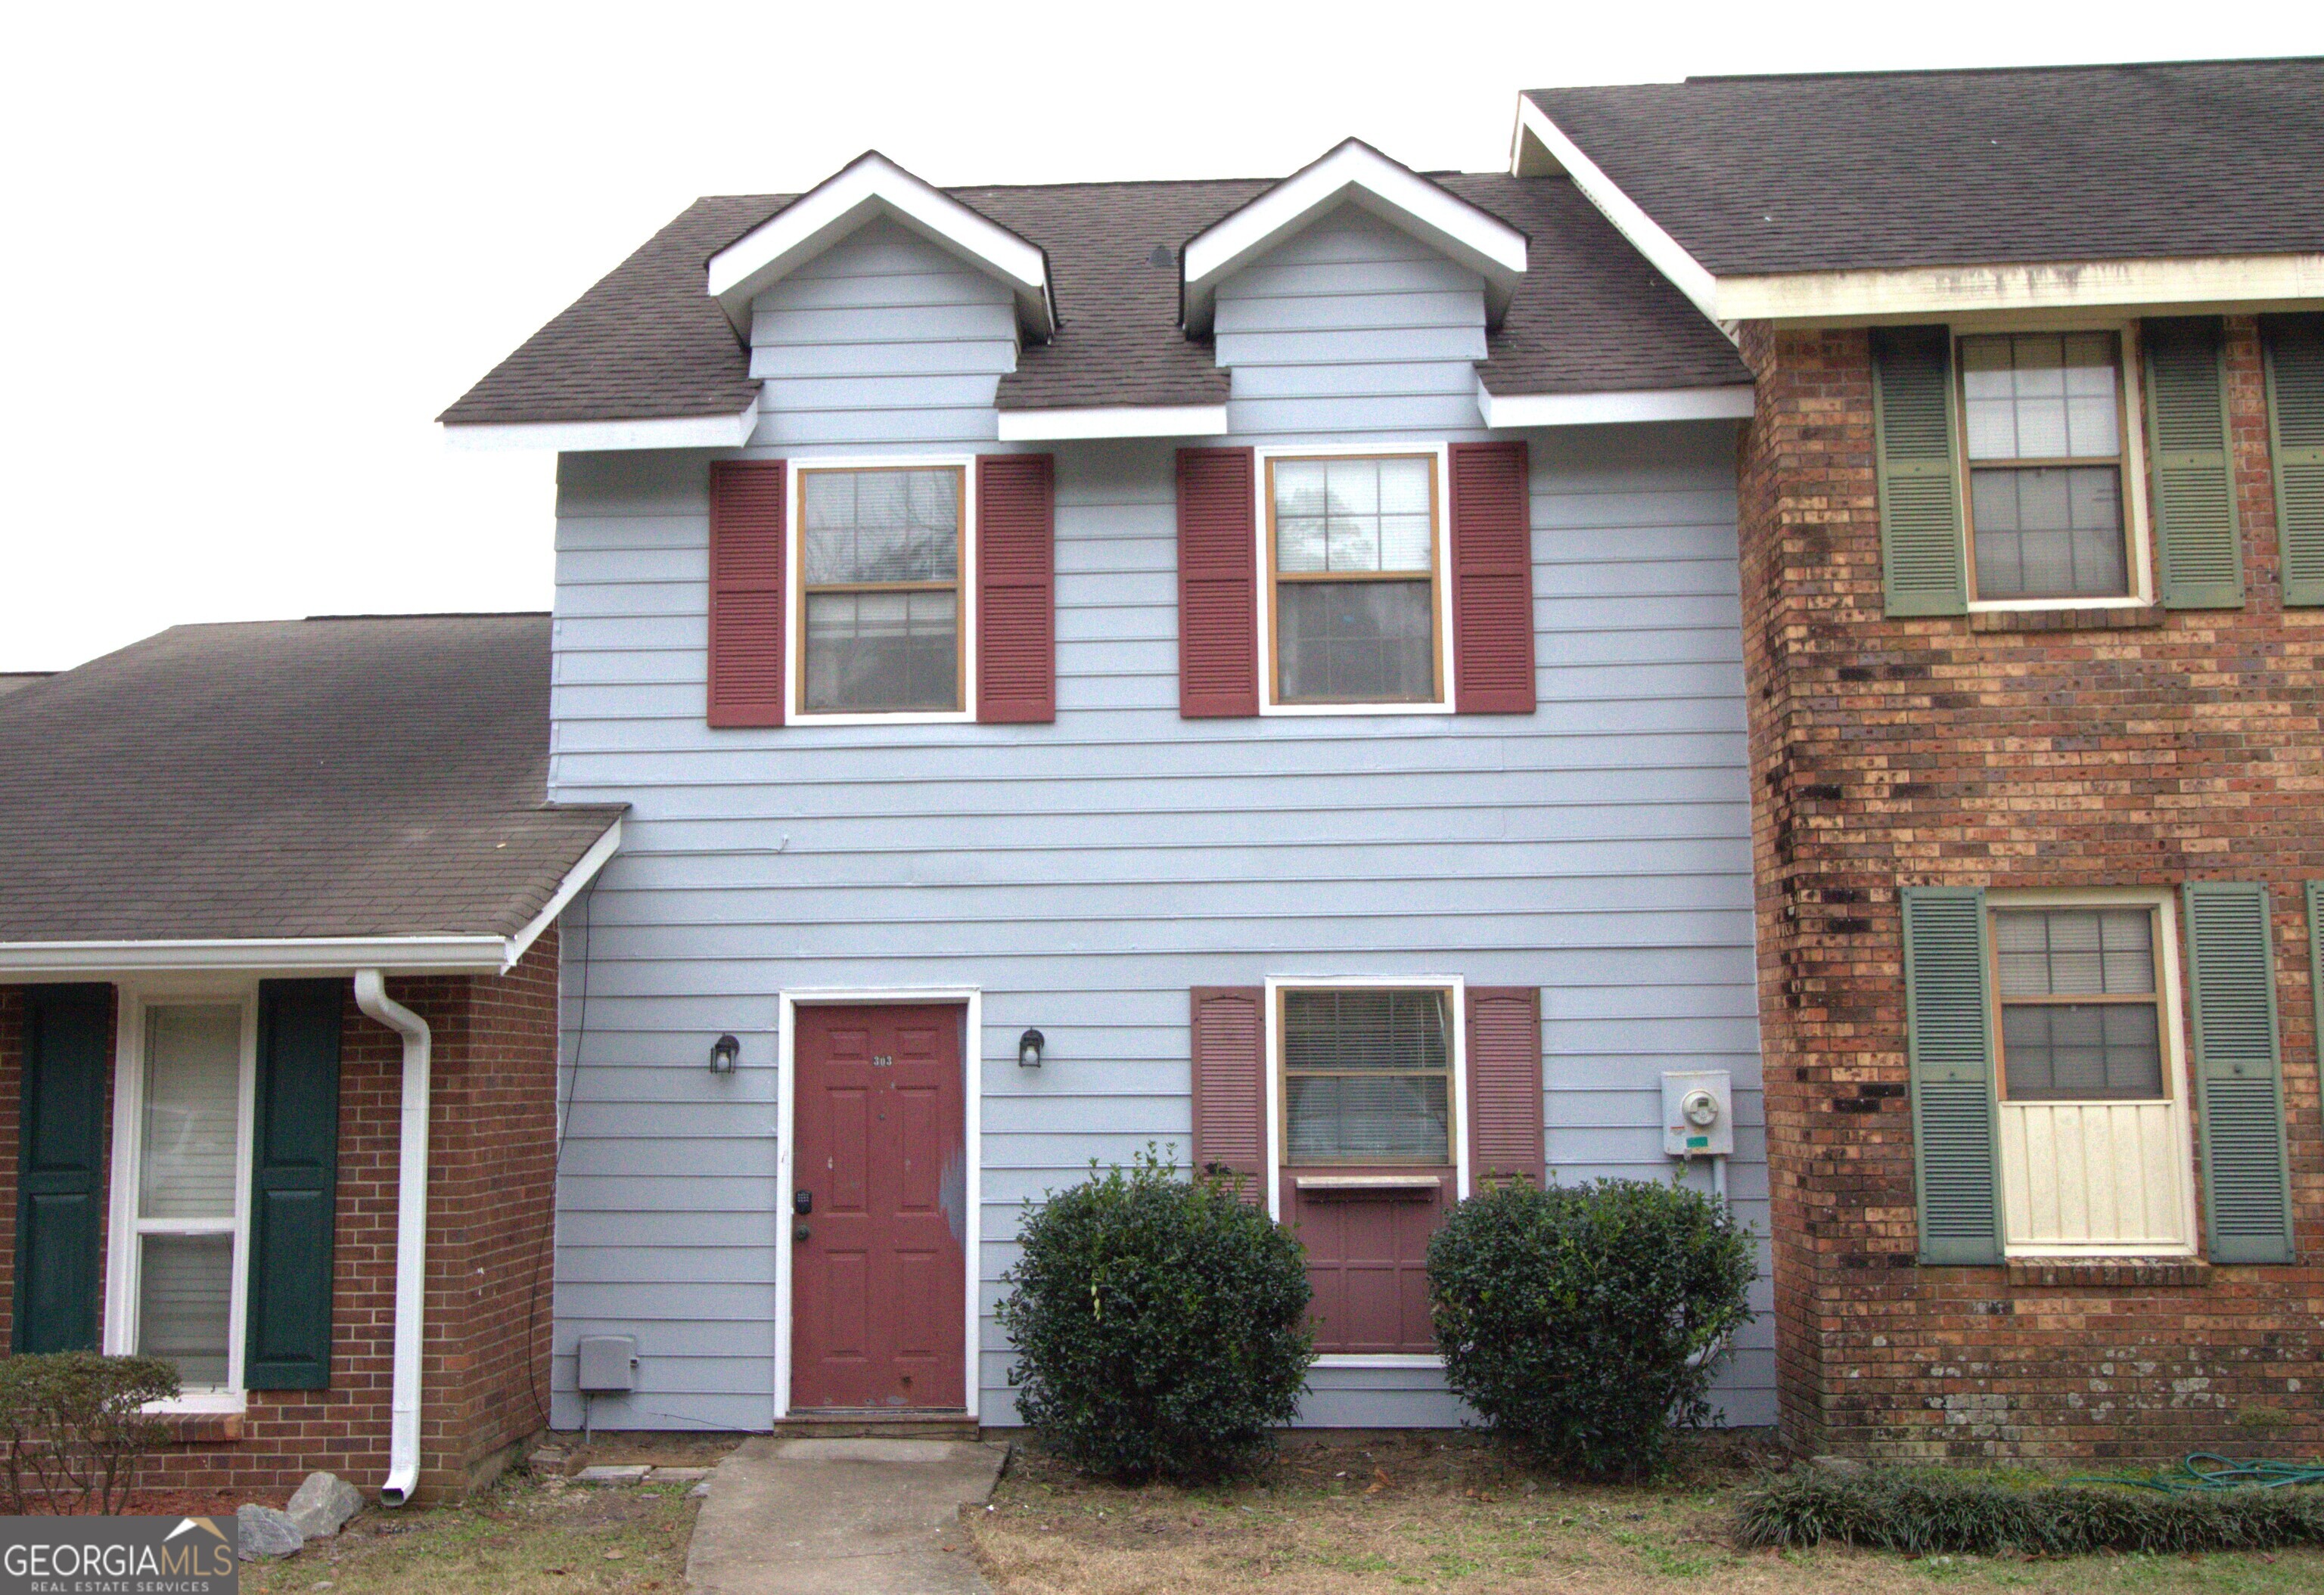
524	1536
1355	1517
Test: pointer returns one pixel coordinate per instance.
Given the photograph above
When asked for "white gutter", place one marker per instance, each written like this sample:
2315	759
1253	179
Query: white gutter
411	1236
1732	402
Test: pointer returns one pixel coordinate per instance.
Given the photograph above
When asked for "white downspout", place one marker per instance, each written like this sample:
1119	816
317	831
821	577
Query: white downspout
411	1236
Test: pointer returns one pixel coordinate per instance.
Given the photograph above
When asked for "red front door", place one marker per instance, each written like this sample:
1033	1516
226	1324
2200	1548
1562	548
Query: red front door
879	1283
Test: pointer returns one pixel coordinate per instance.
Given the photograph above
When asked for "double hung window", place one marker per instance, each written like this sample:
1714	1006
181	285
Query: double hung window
180	1265
1367	1076
880	580
2043	425
1354	561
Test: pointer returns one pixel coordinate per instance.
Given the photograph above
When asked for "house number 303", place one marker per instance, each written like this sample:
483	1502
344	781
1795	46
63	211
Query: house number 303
881	1060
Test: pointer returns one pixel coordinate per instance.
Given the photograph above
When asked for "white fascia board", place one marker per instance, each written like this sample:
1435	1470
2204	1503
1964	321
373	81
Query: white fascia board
1662	250
578	876
1113	420
1731	404
868	187
413	954
688	431
2248	281
1398	194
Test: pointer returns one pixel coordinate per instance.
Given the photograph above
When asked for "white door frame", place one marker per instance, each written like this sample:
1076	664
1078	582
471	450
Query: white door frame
972	1062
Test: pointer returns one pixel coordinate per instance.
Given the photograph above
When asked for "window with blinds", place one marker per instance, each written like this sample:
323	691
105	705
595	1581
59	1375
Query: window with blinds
188	1154
879	580
1353	551
1367	1076
2079	1014
2042	419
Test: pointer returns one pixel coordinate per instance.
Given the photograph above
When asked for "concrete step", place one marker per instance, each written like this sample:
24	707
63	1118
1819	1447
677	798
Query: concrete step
875	1424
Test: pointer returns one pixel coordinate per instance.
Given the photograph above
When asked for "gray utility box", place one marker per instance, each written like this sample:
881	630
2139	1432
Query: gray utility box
1697	1113
604	1364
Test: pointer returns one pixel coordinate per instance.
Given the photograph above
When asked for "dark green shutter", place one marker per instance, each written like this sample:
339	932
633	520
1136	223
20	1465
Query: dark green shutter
60	1172
294	1186
2238	1085
2315	962
2295	421
1949	1042
2195	536
1923	568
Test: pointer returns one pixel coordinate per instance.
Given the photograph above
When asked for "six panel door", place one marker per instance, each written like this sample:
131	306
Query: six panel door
879	1282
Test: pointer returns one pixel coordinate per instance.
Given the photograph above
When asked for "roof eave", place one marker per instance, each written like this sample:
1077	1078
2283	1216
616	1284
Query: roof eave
725	429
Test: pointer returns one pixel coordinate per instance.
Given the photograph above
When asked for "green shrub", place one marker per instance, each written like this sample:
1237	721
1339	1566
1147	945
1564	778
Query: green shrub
1922	1515
1159	1324
1584	1322
74	1426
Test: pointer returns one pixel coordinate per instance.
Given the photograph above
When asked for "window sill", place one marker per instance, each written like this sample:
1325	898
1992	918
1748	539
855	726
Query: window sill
2114	617
2117	1272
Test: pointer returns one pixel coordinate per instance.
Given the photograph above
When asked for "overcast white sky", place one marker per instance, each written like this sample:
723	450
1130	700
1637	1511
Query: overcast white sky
250	252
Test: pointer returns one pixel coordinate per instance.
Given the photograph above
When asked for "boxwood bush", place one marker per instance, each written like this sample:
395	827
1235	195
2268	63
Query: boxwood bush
1582	1322
1159	1324
73	1426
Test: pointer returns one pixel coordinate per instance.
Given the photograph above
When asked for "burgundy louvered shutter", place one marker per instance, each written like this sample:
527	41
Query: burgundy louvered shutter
1505	1106
1218	584
1492	580
746	593
1228	1030
1016	587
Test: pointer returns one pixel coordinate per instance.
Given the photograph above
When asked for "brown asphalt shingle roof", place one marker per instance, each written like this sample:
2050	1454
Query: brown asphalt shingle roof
648	341
1890	169
377	776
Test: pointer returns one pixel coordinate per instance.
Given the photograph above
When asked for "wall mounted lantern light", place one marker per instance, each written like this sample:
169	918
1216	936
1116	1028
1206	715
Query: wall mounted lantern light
723	1053
1028	1049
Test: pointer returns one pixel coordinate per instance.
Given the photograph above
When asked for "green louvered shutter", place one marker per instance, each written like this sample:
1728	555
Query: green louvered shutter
294	1186
61	1176
2316	961
2201	555
1949	1042
2246	1175
2295	420
1923	568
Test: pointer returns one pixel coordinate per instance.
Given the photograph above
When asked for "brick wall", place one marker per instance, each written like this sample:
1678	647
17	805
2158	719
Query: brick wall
491	1187
2103	748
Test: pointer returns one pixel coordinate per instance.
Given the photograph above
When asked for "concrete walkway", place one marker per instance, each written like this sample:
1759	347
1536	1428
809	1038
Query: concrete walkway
841	1518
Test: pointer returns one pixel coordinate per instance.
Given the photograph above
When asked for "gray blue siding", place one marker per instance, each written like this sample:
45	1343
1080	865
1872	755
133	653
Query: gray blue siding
1083	874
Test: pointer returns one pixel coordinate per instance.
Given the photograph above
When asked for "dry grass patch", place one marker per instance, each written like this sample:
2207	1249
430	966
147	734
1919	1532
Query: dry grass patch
1386	1516
521	1537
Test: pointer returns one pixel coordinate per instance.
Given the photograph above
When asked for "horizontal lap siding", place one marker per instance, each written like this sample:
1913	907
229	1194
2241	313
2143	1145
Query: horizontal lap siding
1085	874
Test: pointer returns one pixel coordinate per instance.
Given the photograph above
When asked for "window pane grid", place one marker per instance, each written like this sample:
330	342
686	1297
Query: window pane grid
2042	419
879	573
1367	1076
2081	1019
1353	544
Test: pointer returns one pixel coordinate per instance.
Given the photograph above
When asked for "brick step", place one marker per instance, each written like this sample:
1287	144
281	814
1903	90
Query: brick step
876	1423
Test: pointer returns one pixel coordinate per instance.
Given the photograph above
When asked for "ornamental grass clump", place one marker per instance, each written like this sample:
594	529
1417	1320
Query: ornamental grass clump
1584	1323
1159	1324
1924	1514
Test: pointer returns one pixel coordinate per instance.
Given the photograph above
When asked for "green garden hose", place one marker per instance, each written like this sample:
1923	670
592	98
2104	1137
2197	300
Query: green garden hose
2200	1471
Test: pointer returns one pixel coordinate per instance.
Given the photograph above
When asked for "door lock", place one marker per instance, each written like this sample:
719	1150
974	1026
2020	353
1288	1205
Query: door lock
802	1203
799	1233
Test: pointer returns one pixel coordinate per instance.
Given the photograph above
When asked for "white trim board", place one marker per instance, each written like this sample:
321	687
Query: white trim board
394	955
1359	174
1646	235
972	1062
868	187
1502	411
690	431
1113	420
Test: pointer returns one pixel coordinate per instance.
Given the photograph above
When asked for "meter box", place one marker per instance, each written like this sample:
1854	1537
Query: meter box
1699	1114
605	1364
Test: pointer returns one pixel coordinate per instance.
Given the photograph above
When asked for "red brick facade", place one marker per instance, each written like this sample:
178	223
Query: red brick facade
491	1194
2114	748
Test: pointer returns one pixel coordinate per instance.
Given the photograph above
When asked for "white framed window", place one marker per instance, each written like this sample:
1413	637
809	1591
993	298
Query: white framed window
1366	1071
881	591
2096	1137
2052	469
184	1087
1355	614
